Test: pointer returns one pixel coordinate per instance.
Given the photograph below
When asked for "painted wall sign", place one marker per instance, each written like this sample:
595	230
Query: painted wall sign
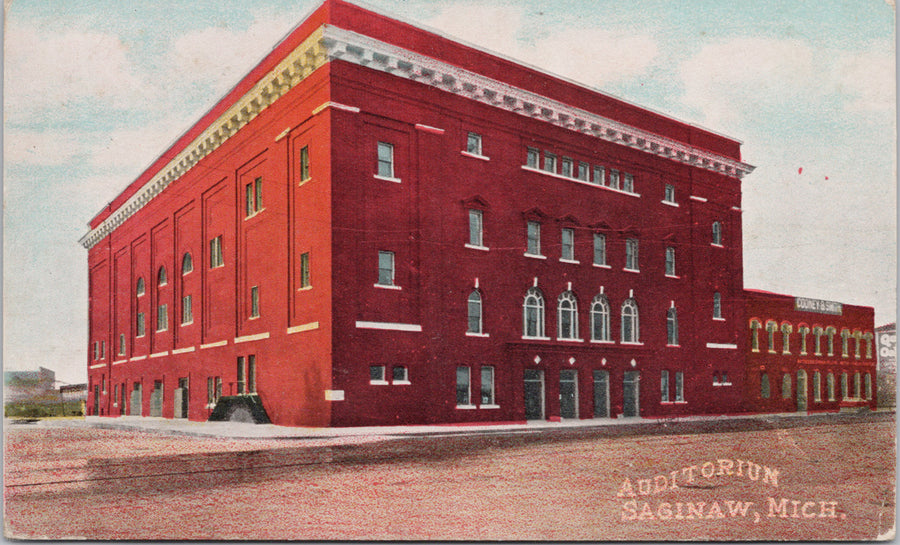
817	305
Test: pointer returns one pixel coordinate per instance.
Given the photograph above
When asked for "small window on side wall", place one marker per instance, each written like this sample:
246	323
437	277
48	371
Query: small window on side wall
385	160
717	233
376	374
400	375
473	144
476	228
385	268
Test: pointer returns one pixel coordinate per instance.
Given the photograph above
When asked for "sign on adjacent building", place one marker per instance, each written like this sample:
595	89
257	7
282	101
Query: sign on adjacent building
817	305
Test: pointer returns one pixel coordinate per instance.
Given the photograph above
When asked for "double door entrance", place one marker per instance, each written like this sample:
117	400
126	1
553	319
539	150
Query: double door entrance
536	403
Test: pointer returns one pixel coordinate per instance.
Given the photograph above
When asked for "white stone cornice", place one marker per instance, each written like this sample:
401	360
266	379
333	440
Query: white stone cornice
329	43
358	49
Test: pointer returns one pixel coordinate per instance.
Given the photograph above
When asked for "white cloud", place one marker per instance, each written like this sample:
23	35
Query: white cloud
39	148
46	72
868	78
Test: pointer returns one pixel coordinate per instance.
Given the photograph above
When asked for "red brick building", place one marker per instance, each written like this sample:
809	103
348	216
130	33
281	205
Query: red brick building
379	225
808	354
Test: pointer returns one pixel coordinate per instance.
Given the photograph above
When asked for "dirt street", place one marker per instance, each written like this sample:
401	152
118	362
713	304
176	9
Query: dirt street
828	478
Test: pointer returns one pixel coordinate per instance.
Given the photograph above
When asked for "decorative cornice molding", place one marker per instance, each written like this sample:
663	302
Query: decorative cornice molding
329	43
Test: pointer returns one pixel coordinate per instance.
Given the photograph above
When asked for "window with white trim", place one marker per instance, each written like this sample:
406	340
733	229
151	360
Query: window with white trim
476	228
600	318
533	246
630	322
669	196
717	305
599	175
567	312
376	374
568	244
474	311
253	196
385	160
567	167
583	171
385	268
628	183
549	162
631	254
672	327
533	314
473	144
215	252
400	374
463	386
717	233
162	278
533	159
487	385
599	249
670	261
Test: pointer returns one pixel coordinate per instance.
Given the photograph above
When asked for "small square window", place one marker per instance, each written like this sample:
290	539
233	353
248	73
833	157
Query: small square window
376	374
400	374
385	160
386	268
473	144
549	162
533	159
567	166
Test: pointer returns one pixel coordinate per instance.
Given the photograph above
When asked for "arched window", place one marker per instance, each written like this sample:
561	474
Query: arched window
161	278
568	316
803	330
764	389
857	386
630	322
857	336
845	343
868	386
600	318
672	327
771	328
533	310
755	326
187	264
786	330
818	332
867	336
845	386
786	386
717	233
140	289
817	386
717	306
830	331
830	382
474	312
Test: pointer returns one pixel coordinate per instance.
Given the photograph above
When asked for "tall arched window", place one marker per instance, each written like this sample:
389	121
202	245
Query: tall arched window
600	318
771	328
764	389
717	233
818	332
845	343
803	330
630	322
830	331
830	383
786	330
672	327
567	312
755	326
868	386
533	311
717	306
817	386
857	336
187	264
140	289
161	278
475	324
786	386
845	386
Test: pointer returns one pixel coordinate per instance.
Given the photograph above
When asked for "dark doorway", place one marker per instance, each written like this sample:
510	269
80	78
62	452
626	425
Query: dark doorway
601	394
534	394
568	393
632	393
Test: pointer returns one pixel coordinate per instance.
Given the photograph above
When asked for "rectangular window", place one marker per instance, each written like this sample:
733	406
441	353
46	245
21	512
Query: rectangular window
139	329
599	175
568	244
251	373
376	374
304	163
213	390
400	374
187	313
631	254
385	160
534	238
241	384
473	144
679	386
121	344
670	193
463	387
614	179
599	249
476	218
254	302
487	385
583	171
628	183
304	270
386	268
115	395
253	193
533	159
549	162
215	252
567	167
102	350
664	386
162	317
670	261
95	351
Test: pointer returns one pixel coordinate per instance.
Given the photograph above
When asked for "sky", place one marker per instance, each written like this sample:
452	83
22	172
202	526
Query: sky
94	91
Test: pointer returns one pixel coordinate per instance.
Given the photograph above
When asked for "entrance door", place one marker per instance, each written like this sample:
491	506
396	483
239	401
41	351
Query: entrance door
801	390
180	399
96	400
631	393
601	394
568	393
136	398
534	394
156	398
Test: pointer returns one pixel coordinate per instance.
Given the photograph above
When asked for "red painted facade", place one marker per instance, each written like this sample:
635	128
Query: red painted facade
298	182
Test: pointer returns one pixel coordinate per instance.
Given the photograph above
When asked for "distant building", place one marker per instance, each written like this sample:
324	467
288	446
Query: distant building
886	342
73	392
29	385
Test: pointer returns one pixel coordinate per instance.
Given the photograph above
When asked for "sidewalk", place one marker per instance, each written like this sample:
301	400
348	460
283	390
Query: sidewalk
240	430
